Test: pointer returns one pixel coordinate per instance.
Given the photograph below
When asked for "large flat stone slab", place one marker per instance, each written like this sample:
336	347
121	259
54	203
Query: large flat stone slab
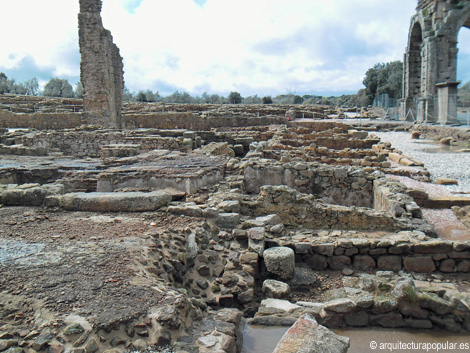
114	201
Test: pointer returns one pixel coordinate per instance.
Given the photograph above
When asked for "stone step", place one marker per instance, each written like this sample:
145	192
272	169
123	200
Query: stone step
443	201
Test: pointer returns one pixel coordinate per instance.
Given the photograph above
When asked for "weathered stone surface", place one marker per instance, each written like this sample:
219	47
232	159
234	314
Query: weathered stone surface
389	263
433	247
307	336
338	263
317	262
342	305
275	289
405	290
42	341
363	263
357	319
304	279
384	305
418	324
280	261
28	194
419	264
448	265
115	202
389	320
227	220
433	302
279	304
7	343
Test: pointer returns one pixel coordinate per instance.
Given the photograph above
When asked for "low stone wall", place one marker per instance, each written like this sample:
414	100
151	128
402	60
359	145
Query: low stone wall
41	121
163	120
381	300
395	253
391	196
192	121
89	143
338	185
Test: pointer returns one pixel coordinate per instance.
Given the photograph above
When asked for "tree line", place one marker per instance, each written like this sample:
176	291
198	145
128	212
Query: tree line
381	78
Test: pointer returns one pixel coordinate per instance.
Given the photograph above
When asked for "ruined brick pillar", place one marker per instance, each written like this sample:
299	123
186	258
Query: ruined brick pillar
101	69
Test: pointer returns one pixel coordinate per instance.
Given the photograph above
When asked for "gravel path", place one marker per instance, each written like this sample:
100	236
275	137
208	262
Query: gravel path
441	161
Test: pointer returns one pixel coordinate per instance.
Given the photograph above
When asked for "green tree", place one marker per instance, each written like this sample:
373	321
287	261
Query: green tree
235	98
32	87
267	100
252	100
127	95
384	78
57	87
141	97
6	85
298	99
178	97
78	93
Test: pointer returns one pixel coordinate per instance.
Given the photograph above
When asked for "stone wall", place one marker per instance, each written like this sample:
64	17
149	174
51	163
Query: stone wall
192	121
391	196
101	69
338	185
393	254
167	120
382	300
42	121
422	4
89	143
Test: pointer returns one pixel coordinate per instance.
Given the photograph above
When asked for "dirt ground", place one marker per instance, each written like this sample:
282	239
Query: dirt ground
92	265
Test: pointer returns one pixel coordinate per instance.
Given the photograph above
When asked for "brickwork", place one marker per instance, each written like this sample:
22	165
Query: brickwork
101	69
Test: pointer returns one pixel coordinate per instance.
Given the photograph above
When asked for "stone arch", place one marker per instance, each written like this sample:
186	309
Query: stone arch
414	61
430	64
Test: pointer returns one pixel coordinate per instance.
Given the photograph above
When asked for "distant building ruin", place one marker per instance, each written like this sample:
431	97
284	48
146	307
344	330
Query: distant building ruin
430	63
101	69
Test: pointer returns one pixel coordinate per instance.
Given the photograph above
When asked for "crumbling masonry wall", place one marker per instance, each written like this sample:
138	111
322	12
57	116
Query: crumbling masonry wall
101	69
430	61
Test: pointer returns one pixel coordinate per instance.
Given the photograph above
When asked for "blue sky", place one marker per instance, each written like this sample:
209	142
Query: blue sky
216	46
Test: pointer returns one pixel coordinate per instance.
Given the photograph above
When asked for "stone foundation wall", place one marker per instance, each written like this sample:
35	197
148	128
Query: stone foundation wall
40	121
167	120
390	196
387	255
89	143
336	185
191	121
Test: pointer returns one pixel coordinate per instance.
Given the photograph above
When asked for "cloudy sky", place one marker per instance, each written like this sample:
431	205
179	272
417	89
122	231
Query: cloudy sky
216	46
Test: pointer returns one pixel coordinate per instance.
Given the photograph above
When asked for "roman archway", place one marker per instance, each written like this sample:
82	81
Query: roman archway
430	62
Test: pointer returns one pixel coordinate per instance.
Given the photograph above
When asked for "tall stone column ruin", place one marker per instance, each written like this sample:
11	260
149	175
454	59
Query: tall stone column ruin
101	69
430	62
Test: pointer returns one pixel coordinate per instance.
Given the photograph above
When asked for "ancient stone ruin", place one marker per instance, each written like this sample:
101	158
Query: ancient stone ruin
176	234
430	63
168	227
101	69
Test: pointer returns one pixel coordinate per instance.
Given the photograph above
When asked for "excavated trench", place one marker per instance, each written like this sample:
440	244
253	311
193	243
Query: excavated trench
332	217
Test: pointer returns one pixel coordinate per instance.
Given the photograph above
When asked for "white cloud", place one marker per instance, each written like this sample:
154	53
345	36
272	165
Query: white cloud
44	30
252	46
